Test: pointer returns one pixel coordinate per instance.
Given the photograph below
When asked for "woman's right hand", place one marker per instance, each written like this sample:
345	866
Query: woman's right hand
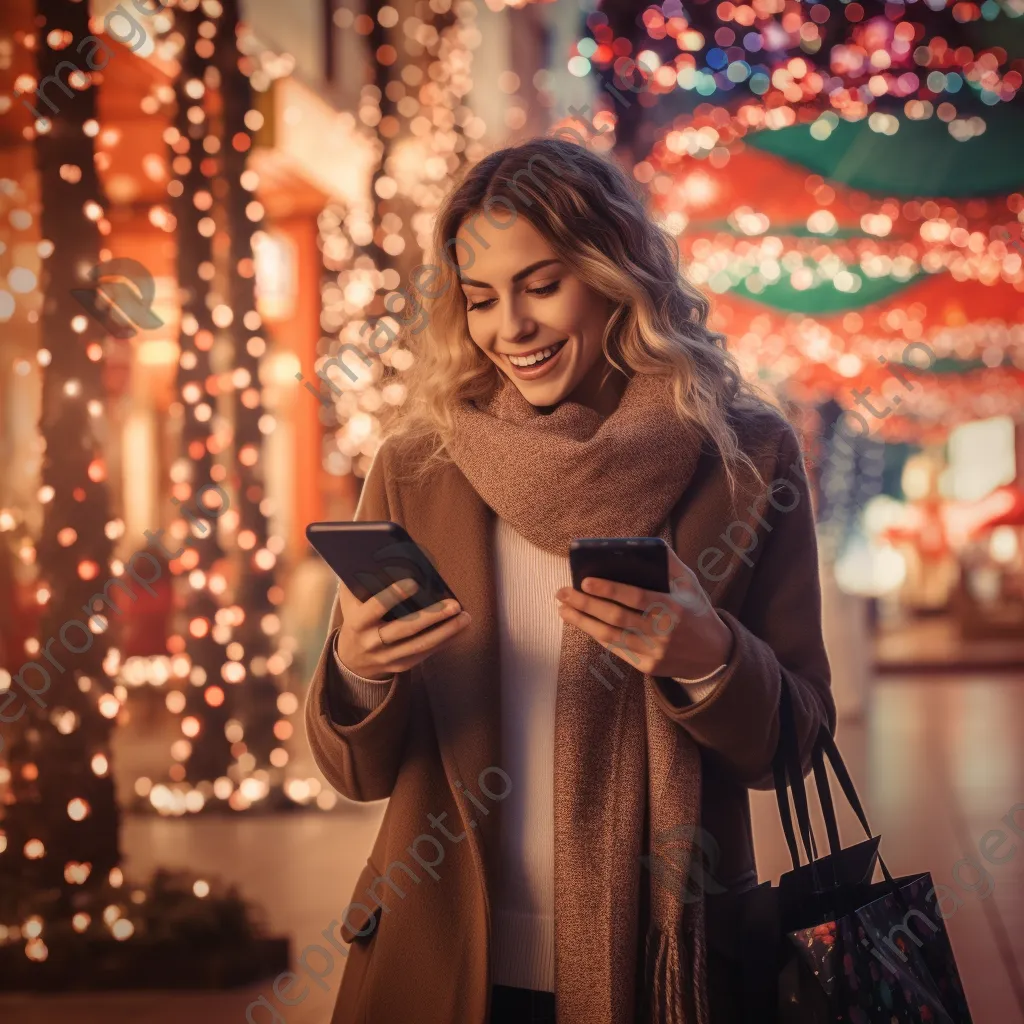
375	649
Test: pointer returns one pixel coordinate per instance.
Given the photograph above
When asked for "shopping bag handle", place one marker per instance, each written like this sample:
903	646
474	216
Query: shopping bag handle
782	795
828	811
787	762
826	747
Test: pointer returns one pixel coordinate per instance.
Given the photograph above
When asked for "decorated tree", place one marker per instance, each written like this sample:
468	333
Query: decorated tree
228	637
59	819
205	752
257	595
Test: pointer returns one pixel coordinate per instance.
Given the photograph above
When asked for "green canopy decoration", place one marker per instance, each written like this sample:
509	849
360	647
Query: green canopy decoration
919	158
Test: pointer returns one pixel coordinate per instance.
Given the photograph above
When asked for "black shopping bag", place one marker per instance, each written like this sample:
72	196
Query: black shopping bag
828	945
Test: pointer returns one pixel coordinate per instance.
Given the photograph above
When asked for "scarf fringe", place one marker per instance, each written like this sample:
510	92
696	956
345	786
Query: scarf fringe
675	977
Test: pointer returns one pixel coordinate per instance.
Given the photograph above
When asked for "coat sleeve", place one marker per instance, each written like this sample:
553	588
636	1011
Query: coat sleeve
777	634
358	751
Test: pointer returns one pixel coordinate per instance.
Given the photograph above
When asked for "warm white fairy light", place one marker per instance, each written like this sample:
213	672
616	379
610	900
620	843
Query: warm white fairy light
78	809
76	873
35	949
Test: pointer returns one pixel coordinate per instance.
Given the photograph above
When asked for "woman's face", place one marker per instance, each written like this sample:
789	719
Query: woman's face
537	322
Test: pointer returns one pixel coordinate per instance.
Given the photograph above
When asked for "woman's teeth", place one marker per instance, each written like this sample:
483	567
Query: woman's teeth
536	357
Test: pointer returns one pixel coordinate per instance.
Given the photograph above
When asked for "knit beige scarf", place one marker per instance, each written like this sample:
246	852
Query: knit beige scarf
552	477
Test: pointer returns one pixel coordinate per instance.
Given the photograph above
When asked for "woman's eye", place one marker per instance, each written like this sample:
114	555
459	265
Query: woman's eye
545	289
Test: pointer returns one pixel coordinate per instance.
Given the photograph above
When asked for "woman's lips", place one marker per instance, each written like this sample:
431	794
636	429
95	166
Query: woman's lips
537	370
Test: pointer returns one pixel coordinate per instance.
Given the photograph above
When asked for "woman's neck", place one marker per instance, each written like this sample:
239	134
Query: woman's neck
601	388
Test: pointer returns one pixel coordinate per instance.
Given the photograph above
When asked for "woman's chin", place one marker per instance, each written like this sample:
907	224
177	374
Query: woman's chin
542	397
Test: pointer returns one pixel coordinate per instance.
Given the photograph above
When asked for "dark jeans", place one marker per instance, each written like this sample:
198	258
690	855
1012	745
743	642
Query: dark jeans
521	1006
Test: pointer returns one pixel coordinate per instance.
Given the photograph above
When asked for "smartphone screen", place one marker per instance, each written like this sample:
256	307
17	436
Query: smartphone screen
369	557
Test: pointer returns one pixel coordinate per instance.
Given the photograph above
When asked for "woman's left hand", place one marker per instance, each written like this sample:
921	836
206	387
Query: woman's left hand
678	635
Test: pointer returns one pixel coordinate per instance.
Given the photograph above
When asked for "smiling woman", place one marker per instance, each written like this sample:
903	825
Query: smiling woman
566	386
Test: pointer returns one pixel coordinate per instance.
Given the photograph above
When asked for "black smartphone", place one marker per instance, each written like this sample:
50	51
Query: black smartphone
636	561
369	557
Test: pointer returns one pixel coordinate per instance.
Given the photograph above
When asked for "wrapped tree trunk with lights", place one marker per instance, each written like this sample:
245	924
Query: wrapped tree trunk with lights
69	920
59	819
257	592
207	749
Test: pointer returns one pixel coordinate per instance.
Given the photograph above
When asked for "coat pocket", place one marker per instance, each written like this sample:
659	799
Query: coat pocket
362	915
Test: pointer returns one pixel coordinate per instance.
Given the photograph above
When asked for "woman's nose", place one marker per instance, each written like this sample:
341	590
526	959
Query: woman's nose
515	324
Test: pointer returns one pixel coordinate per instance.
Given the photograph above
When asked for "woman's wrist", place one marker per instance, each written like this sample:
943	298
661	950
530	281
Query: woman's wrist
342	663
713	661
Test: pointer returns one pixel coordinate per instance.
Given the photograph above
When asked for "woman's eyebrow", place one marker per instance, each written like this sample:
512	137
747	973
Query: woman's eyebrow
518	276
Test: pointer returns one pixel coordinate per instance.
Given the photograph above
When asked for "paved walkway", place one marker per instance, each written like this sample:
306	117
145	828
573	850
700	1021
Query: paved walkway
938	761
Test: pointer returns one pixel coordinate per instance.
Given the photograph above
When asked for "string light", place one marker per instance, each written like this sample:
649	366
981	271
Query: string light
816	283
773	55
927	272
416	119
257	659
200	500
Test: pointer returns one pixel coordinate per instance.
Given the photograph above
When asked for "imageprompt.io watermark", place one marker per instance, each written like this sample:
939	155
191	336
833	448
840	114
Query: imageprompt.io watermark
120	298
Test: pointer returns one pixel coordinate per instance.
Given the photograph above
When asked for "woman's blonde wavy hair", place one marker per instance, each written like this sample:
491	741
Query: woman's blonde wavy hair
594	219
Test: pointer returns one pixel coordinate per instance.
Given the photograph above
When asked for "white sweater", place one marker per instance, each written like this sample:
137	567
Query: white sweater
530	630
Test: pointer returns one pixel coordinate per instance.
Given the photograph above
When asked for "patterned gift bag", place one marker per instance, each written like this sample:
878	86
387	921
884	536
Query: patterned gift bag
886	961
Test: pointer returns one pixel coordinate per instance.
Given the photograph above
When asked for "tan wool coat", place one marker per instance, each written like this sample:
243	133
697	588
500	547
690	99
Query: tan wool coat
419	917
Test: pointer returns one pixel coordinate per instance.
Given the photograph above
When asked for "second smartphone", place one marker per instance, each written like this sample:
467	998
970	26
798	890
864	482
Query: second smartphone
635	561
